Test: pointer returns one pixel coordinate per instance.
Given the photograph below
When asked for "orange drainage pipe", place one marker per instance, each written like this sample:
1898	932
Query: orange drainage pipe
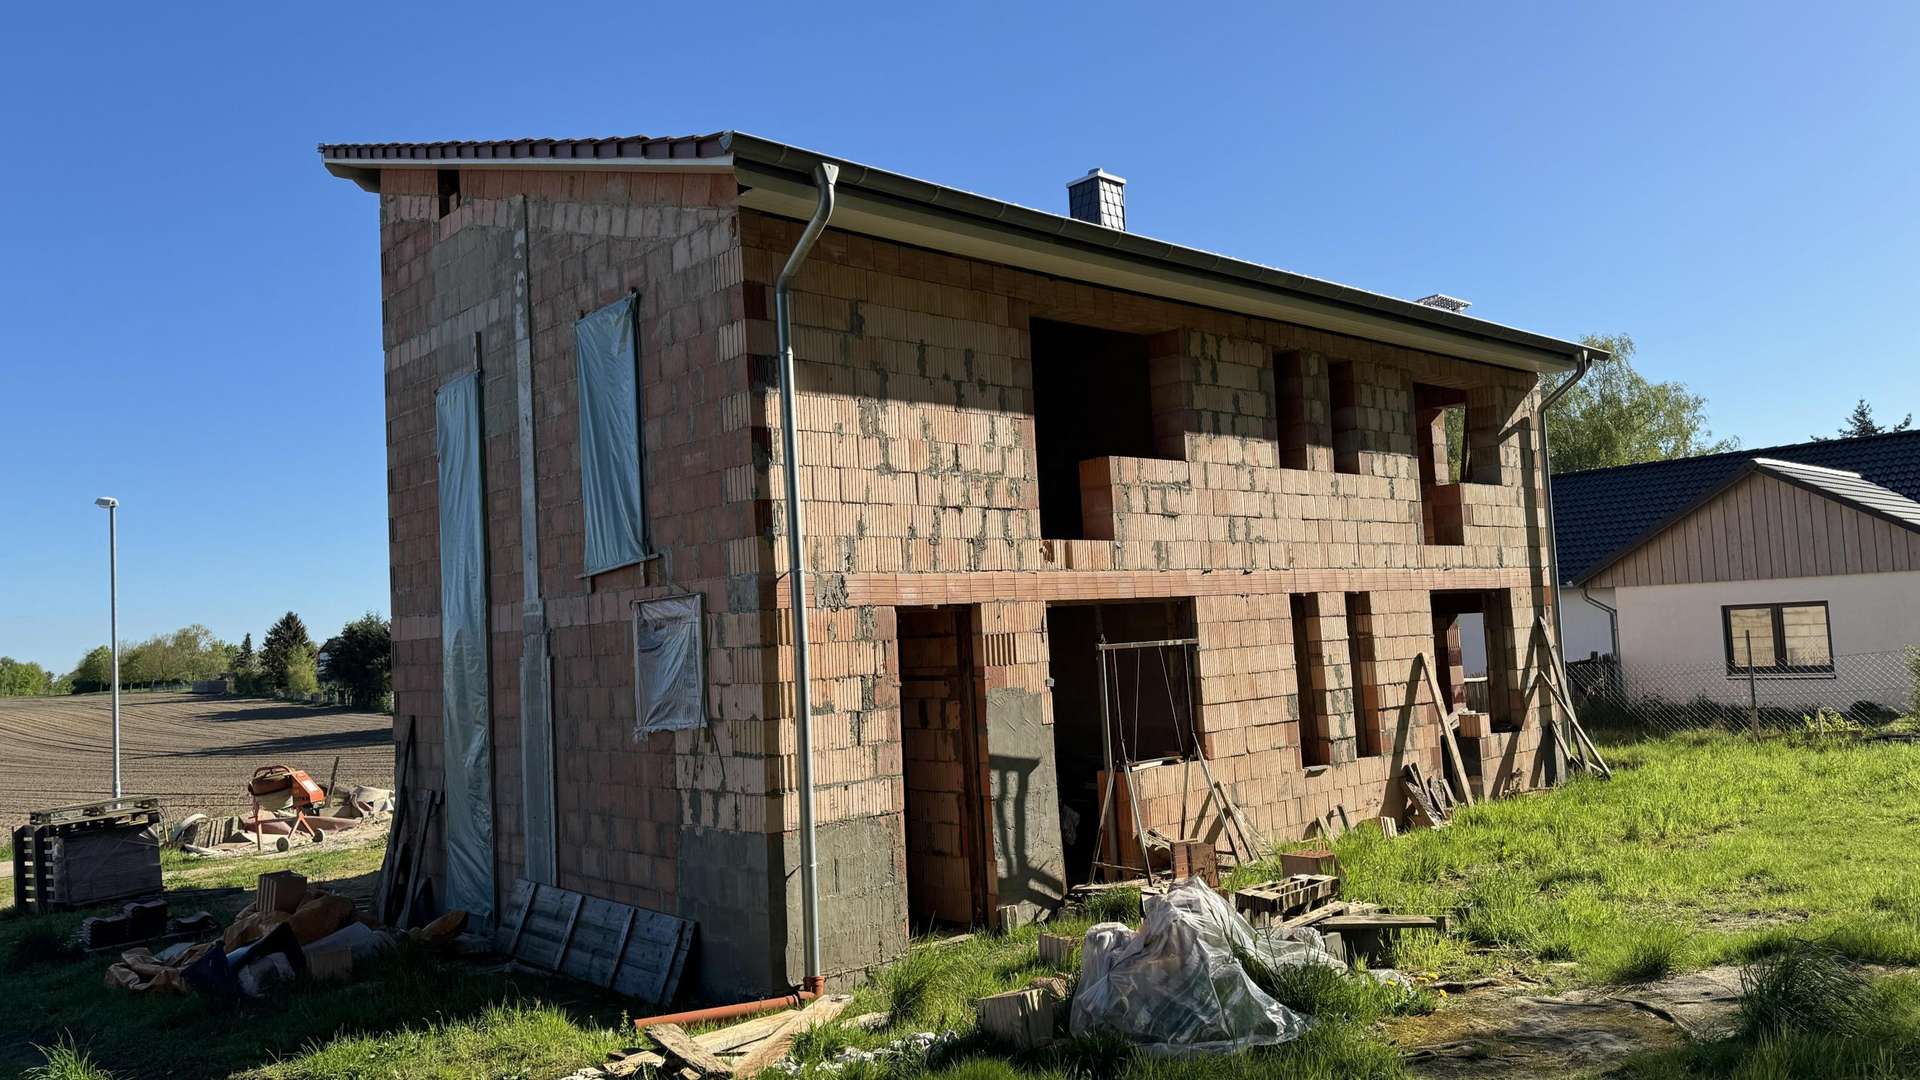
738	1009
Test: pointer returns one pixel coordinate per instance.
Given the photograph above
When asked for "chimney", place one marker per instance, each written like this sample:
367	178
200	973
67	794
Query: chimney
1099	197
1445	302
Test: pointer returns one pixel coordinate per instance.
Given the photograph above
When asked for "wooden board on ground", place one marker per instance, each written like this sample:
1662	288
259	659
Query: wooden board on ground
629	950
820	1010
679	1046
1380	920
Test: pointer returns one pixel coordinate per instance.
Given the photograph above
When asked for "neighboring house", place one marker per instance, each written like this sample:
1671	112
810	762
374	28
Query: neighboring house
1810	551
1018	433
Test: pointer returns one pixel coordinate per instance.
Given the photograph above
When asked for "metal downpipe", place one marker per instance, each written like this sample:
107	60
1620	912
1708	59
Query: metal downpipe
1553	538
824	176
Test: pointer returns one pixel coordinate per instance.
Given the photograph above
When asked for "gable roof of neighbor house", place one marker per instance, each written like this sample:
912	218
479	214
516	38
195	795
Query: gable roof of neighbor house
1602	514
778	178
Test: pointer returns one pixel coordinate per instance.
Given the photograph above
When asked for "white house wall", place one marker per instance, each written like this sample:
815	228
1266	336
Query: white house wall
1673	645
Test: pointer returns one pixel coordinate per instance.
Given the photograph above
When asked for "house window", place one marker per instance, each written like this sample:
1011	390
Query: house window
1778	639
611	490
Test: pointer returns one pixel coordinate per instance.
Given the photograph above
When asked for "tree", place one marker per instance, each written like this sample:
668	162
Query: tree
360	660
1615	416
94	672
244	660
1861	422
23	678
285	640
300	676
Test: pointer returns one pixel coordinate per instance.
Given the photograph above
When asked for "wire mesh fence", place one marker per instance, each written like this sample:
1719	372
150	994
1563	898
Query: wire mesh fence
1862	693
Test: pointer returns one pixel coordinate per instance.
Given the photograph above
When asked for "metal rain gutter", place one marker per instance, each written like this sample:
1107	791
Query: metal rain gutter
825	173
915	211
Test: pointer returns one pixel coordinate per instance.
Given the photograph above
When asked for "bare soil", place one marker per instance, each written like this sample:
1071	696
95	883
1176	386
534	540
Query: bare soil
193	751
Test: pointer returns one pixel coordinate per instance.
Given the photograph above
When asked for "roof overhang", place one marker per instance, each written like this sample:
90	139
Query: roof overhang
777	179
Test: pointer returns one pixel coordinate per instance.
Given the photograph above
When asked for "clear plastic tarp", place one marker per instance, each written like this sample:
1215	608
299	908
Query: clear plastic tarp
610	488
466	715
1177	987
670	664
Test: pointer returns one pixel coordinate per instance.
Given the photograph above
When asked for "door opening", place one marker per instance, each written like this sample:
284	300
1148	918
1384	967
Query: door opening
943	751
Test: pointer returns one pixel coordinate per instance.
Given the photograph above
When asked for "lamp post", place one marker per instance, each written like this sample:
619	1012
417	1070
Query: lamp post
113	618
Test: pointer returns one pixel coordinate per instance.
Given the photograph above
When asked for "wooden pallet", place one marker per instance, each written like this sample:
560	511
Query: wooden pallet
38	883
103	810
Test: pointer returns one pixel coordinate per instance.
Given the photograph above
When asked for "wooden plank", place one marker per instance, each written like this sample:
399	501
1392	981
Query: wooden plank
820	1010
1380	920
737	1037
677	1044
1309	918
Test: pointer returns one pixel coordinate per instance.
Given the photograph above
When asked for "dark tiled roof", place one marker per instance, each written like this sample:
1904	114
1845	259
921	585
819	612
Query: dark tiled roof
1600	512
1846	487
616	147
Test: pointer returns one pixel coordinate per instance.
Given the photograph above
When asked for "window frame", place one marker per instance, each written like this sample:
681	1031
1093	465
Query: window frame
1776	616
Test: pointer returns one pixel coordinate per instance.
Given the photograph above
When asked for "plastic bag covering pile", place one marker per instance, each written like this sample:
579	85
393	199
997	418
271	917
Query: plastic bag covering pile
670	663
1177	988
465	715
610	489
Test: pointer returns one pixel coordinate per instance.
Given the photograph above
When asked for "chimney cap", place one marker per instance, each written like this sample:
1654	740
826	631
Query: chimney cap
1096	174
1445	302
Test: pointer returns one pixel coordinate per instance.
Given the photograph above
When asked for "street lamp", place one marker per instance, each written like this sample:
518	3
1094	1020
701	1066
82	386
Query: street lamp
113	617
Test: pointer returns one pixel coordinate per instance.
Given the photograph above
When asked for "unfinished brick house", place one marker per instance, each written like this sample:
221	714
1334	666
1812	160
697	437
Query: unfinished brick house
1020	436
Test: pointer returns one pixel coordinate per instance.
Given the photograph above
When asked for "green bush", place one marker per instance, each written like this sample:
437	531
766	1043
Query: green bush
301	677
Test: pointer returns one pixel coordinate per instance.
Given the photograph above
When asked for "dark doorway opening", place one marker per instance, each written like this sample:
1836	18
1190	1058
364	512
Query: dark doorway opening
943	751
1474	625
1092	398
1312	679
1158	724
1439	443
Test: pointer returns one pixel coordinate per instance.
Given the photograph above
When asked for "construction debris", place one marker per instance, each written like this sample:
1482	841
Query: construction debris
86	854
1023	1018
742	1049
1264	904
1056	949
1179	986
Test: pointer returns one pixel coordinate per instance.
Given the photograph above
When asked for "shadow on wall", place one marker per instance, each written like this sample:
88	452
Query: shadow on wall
1028	865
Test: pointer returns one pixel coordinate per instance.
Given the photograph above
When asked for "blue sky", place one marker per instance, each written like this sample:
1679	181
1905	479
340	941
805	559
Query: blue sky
191	302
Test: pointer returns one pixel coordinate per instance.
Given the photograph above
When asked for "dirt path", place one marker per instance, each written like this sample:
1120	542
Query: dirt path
1519	1032
194	752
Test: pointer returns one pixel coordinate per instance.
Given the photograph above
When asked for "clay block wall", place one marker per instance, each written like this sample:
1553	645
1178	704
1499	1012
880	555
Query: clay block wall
918	431
935	701
632	811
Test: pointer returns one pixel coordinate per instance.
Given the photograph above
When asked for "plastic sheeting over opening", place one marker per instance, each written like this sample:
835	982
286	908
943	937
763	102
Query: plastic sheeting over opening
466	714
1177	987
610	484
670	663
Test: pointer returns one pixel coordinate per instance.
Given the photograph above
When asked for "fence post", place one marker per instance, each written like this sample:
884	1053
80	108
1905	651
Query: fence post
1753	696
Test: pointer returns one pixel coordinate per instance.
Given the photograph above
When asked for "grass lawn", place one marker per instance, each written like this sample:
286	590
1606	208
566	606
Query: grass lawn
1701	850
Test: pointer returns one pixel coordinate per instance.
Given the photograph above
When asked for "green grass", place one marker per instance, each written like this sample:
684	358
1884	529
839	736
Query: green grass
1701	850
65	1061
414	1015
